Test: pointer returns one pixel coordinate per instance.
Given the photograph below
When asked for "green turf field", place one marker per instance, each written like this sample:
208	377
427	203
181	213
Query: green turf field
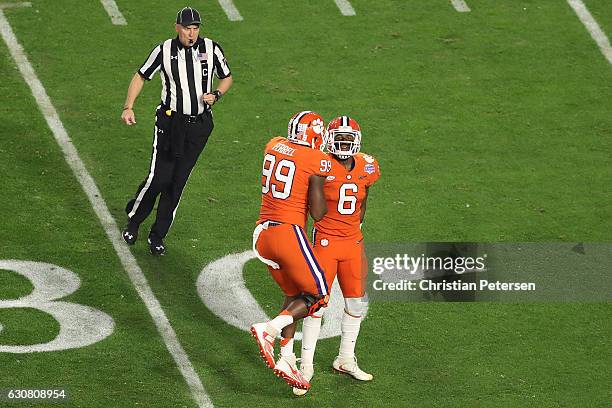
489	126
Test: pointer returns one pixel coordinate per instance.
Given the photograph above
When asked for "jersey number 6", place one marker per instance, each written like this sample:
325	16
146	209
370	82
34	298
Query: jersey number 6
350	199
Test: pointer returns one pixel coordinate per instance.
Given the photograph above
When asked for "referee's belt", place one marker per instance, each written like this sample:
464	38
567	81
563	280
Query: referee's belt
185	118
193	118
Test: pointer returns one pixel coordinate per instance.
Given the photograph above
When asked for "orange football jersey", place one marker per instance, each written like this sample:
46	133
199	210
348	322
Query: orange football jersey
345	191
284	181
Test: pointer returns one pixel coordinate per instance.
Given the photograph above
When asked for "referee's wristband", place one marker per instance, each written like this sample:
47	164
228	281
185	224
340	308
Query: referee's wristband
218	94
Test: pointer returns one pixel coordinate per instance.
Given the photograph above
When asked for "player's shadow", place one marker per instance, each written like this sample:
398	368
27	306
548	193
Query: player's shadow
453	251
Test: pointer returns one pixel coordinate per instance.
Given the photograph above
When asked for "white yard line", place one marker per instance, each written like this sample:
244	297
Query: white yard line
461	6
106	219
592	27
230	10
14	5
113	11
345	7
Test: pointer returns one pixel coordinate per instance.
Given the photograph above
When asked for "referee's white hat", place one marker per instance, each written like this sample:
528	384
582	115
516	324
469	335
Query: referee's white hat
188	16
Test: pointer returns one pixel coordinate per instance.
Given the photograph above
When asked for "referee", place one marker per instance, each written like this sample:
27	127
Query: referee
183	121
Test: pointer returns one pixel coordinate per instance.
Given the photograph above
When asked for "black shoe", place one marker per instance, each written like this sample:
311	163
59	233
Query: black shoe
129	235
156	246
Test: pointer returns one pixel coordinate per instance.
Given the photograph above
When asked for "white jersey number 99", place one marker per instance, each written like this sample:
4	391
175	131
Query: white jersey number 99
285	170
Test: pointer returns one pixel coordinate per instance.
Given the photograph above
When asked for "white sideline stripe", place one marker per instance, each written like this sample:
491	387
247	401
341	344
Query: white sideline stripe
113	11
461	6
230	10
345	7
592	27
106	219
15	5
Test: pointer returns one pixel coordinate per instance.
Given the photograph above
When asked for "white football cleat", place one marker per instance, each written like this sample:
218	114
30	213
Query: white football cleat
349	366
265	341
287	370
307	372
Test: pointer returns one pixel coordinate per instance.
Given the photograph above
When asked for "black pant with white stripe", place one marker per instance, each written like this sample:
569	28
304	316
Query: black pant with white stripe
168	174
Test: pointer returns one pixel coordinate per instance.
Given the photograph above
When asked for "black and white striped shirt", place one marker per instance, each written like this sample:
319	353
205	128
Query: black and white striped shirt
186	72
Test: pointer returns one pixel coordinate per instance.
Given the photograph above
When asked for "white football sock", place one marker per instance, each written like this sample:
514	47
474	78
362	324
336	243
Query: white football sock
280	321
287	347
310	334
350	330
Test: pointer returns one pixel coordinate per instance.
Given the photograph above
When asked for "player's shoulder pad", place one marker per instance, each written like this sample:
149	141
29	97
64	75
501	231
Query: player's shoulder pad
369	163
273	141
322	154
320	161
367	158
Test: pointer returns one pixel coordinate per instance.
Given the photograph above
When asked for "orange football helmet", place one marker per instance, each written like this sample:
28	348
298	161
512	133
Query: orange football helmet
343	125
307	128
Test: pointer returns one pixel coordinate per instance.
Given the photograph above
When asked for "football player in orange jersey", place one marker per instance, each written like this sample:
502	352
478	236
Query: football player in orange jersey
293	175
338	243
